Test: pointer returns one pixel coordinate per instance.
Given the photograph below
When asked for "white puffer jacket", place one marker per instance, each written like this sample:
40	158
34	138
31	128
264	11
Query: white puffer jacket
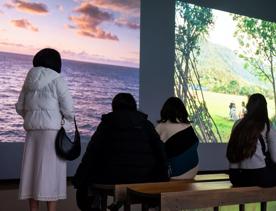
43	100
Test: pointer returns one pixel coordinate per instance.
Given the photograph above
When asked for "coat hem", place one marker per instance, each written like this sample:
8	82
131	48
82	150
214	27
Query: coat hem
42	198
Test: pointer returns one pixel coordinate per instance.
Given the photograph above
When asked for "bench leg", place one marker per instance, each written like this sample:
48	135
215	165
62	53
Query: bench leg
104	202
241	207
216	208
145	207
126	206
263	206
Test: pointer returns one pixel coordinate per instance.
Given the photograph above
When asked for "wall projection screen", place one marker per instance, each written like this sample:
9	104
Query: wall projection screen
156	67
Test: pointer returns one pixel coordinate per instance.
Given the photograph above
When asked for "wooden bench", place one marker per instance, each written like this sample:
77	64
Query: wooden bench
119	191
198	195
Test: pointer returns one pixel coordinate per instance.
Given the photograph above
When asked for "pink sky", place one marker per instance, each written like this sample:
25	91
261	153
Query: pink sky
103	31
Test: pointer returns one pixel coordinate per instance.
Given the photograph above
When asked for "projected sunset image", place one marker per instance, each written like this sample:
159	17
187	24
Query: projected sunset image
99	44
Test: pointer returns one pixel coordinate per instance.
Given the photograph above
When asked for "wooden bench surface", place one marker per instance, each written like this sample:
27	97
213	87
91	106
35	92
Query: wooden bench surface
119	190
211	177
180	186
202	195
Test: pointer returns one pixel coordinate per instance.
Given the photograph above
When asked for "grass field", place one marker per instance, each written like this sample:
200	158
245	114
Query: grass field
218	107
271	206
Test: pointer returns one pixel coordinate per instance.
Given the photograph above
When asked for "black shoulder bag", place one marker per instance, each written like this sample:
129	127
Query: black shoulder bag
65	147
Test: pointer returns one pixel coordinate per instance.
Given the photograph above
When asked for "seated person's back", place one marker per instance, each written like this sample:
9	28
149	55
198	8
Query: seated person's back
124	149
251	150
180	139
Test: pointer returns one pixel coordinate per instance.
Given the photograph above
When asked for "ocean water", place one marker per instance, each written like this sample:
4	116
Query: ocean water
92	87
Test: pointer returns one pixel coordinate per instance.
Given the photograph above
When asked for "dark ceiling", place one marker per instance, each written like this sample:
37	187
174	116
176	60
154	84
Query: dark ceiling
263	9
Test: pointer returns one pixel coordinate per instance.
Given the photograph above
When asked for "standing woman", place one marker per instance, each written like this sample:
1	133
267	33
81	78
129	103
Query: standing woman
180	139
251	150
43	102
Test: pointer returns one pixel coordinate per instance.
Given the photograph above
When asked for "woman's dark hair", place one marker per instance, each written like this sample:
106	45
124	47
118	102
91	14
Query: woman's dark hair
174	110
124	101
244	136
49	58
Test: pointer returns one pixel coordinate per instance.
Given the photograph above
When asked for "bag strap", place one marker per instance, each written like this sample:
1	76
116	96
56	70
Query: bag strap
265	153
76	128
63	122
261	139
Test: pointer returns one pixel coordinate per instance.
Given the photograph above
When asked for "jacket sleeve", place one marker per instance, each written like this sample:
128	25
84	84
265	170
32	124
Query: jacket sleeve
19	106
65	100
159	151
90	159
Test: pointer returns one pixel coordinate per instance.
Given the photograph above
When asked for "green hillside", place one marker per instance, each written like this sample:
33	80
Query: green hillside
221	70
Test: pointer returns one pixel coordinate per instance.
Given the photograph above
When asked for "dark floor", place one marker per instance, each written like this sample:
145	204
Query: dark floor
9	198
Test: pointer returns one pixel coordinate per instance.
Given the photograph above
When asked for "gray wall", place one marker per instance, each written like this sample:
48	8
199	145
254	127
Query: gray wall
156	55
211	156
11	158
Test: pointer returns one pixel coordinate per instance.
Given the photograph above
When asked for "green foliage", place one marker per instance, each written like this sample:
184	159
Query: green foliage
233	87
225	126
257	39
193	23
218	65
245	90
242	91
273	121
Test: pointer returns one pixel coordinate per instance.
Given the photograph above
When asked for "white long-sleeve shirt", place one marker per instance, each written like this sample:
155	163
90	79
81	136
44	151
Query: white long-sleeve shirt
258	158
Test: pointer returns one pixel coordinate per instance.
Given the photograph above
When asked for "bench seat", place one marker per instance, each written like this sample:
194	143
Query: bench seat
199	195
119	191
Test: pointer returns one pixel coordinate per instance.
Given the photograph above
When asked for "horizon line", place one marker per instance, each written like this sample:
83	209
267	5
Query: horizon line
76	60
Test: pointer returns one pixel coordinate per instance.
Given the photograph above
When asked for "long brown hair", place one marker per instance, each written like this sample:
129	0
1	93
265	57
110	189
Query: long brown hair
244	136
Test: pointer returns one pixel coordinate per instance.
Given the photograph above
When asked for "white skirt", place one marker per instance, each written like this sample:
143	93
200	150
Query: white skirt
43	174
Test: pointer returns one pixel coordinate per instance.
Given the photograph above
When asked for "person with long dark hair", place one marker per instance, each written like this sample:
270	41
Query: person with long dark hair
251	150
180	140
43	101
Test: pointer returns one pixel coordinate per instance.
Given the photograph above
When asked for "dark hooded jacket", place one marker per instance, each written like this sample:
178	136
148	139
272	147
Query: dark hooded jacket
124	149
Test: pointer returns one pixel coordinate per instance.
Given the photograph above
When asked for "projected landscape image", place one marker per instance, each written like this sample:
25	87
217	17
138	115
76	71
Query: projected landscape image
222	58
98	41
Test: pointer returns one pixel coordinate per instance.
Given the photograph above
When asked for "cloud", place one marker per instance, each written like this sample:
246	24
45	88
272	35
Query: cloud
60	7
127	23
89	20
1	12
69	26
9	5
83	55
127	10
11	44
28	7
131	7
25	24
96	58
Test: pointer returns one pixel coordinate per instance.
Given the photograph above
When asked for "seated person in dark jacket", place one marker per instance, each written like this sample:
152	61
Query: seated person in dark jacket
124	149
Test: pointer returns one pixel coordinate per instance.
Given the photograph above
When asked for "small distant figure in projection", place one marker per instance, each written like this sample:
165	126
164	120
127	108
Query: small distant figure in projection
233	112
43	101
125	148
243	110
